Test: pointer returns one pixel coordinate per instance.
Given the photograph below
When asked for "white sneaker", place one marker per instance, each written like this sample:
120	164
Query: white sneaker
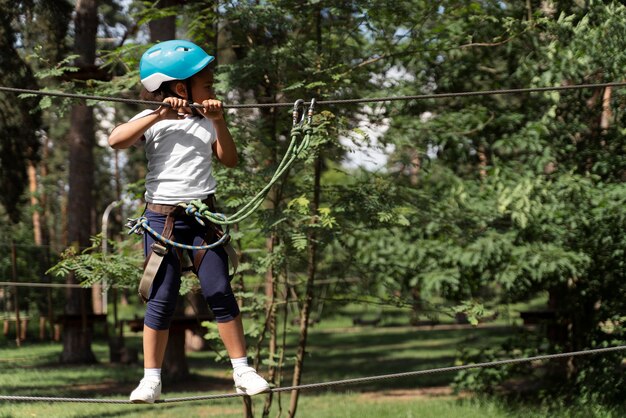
148	391
249	382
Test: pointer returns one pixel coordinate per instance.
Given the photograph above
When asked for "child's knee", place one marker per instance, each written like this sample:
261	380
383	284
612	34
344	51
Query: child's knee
224	307
159	314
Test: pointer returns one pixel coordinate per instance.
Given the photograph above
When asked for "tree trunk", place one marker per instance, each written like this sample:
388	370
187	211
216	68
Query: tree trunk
163	29
414	167
175	365
308	299
43	198
15	294
557	329
77	335
270	287
305	313
270	293
607	113
416	306
34	203
40	235
274	197
196	307
416	292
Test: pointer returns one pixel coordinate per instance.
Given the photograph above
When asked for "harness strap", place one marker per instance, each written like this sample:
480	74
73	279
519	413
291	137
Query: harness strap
213	235
151	268
155	257
232	256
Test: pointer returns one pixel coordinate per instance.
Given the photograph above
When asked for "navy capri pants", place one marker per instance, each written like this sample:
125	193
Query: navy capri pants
212	273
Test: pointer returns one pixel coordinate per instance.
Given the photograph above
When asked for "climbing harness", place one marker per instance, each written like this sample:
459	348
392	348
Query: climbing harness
204	211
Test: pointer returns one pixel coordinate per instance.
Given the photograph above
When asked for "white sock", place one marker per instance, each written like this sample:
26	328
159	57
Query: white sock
239	362
152	373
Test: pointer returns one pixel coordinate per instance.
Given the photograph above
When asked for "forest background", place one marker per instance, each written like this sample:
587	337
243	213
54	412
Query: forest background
478	201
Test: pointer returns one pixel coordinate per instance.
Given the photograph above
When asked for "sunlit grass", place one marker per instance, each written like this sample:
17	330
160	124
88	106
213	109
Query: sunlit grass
336	351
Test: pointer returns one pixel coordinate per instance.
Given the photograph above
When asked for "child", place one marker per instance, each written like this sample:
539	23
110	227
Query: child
180	142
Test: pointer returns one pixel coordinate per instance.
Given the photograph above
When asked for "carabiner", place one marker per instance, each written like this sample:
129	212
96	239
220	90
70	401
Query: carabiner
309	116
298	112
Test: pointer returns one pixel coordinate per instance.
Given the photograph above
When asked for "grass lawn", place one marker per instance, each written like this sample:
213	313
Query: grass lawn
346	405
336	351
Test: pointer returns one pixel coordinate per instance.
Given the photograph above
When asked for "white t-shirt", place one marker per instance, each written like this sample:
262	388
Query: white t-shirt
179	156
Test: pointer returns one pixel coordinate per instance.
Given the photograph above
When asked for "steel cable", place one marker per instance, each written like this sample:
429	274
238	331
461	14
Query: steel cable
327	102
331	383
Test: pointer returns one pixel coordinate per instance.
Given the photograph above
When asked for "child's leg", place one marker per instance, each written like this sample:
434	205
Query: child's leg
159	311
215	282
154	345
232	336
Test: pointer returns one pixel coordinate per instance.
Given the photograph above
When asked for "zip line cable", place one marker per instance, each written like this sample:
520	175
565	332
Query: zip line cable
331	383
327	102
61	285
474	93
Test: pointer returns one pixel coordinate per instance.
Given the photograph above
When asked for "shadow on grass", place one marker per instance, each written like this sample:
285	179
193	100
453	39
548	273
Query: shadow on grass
78	388
332	354
377	336
337	356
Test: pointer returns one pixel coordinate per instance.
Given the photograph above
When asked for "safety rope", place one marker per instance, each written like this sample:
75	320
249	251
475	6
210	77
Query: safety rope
137	224
292	153
301	129
331	383
326	102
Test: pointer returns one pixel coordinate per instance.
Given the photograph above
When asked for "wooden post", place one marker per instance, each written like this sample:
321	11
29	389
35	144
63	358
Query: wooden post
42	328
18	332
53	331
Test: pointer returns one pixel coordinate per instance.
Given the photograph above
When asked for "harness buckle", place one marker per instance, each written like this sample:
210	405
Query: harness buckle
159	248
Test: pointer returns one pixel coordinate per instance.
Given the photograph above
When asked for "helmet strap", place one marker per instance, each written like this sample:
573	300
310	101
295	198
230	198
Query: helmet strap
194	111
189	97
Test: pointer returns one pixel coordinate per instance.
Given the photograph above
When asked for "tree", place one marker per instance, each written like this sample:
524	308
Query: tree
77	335
18	123
491	169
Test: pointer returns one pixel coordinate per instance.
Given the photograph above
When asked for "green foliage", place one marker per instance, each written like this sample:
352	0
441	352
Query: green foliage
18	119
483	200
489	380
121	267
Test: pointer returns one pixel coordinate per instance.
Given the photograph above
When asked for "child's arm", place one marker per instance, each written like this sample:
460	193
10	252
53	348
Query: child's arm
127	134
224	148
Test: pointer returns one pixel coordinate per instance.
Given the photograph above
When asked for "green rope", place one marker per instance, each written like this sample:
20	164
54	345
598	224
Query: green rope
301	129
197	208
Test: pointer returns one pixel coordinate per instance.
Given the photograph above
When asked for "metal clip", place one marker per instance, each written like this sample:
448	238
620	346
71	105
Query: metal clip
309	116
135	225
298	112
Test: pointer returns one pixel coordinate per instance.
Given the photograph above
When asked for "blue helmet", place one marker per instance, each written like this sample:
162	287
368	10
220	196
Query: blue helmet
171	60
